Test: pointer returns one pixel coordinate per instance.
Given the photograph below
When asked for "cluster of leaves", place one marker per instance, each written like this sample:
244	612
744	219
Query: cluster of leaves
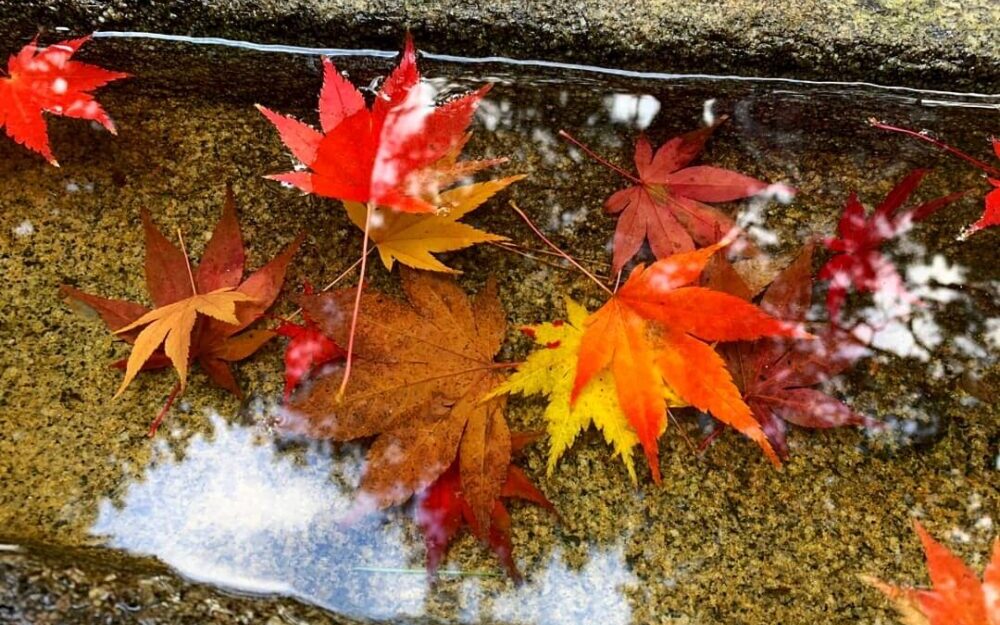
957	597
857	259
648	342
688	330
201	313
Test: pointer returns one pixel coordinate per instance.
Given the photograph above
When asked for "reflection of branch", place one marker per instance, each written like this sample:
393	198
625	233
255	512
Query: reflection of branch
941	145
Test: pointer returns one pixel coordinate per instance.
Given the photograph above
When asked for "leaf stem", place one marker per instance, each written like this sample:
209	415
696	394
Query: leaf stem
597	157
155	425
569	258
941	145
344	273
187	262
357	302
529	254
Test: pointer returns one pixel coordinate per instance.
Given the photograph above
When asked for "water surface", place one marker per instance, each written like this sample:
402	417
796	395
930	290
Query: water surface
219	496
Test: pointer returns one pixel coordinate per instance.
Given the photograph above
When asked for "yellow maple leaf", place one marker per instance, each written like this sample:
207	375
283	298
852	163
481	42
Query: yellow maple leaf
412	238
171	326
551	371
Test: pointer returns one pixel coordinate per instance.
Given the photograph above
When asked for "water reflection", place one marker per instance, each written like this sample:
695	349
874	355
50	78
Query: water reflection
238	513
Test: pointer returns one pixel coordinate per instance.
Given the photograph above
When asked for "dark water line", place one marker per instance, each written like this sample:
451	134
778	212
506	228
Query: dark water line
925	96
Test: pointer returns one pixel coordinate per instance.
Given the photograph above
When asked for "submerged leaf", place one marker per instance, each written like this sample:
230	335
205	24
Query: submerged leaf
774	375
667	205
858	262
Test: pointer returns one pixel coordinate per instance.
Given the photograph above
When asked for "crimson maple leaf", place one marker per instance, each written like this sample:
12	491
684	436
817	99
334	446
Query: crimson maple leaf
775	375
308	348
46	80
441	509
666	204
384	155
858	261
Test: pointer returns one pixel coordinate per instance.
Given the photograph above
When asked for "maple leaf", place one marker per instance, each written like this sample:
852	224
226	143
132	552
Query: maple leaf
308	349
200	313
421	367
412	238
775	376
441	509
550	371
667	203
858	261
171	326
649	334
46	80
957	596
379	156
991	210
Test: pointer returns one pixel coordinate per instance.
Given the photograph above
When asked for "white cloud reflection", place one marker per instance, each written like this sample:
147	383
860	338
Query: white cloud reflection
637	111
237	513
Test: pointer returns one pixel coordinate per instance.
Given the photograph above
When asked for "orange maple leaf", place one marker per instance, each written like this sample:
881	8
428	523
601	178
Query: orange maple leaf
957	596
652	332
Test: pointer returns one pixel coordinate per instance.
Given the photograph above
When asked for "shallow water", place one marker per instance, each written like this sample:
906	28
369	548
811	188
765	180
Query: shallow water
221	498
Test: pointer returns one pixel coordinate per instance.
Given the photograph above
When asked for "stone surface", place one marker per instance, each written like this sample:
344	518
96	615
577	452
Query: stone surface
86	586
931	43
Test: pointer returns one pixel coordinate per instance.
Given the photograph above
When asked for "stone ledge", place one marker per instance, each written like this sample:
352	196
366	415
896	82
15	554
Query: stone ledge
920	43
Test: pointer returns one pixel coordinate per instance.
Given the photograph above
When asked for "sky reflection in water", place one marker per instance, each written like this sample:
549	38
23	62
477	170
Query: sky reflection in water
236	513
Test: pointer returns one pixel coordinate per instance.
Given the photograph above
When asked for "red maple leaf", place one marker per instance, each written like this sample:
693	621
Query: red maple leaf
775	375
379	155
666	204
441	509
858	261
308	348
991	210
46	80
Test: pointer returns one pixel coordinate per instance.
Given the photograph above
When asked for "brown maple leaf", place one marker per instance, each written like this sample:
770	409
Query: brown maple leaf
200	313
421	368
